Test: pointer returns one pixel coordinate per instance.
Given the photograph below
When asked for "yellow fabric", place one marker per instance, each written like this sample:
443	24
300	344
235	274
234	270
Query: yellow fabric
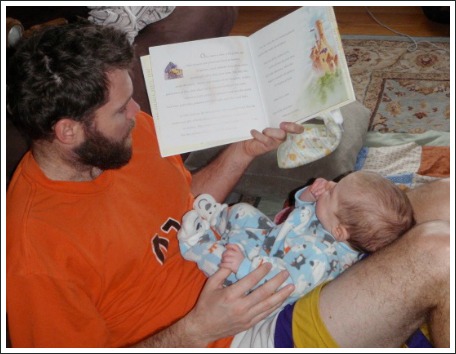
425	329
309	331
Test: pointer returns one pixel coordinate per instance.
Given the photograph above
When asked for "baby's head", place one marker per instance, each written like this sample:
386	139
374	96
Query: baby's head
373	210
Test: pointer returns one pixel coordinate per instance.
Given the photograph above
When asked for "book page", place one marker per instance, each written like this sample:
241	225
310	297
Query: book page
149	81
301	65
203	94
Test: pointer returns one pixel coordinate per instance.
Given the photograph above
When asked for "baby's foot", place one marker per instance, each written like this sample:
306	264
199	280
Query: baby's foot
192	228
207	208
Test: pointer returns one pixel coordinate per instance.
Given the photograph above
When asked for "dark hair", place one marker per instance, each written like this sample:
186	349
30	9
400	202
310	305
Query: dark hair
62	72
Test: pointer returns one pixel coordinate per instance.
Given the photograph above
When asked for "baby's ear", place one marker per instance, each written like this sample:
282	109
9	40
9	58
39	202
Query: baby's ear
340	233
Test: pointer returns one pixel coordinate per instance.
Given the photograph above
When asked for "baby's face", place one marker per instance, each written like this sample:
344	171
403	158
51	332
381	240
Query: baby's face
328	203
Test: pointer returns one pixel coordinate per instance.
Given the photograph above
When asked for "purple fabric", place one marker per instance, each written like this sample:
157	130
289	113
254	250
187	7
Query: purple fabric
283	335
418	340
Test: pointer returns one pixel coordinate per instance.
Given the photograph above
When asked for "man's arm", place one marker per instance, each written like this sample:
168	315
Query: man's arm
435	194
224	311
220	176
387	281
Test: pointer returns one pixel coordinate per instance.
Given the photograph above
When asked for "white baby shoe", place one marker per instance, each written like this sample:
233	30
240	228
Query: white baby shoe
207	208
193	228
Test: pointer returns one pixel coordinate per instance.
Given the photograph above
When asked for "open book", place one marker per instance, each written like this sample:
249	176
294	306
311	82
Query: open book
212	92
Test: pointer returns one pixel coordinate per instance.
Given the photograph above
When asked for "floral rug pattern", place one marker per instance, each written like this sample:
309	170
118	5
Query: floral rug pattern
406	91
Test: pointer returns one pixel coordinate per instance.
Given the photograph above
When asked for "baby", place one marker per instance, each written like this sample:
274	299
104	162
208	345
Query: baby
329	229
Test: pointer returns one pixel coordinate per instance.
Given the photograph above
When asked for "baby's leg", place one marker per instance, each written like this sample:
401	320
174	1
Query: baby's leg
192	229
224	219
199	244
208	209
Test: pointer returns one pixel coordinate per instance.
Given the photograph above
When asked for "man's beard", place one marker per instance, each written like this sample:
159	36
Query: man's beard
99	151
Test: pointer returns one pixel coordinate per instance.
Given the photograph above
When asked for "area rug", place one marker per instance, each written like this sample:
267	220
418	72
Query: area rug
407	89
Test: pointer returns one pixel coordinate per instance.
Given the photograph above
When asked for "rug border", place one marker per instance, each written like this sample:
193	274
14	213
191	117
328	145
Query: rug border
395	38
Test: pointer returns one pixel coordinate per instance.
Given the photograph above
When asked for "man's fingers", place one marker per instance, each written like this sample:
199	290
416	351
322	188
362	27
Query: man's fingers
218	278
262	309
276	134
250	281
290	127
269	133
262	315
270	287
269	137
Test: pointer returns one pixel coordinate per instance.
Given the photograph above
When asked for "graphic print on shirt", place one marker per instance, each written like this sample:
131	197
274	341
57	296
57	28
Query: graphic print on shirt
160	244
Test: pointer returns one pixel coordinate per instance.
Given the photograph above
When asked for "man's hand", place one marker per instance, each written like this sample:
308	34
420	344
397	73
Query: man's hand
269	139
232	258
221	175
224	311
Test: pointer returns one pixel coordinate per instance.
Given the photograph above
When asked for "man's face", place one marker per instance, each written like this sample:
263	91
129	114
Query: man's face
107	143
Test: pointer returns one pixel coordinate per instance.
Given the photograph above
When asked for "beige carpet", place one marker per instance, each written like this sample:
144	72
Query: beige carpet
406	88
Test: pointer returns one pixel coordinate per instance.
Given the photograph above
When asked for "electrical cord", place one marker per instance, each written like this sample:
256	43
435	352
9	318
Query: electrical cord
414	45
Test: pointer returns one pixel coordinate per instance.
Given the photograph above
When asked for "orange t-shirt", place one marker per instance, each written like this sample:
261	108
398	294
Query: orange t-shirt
97	264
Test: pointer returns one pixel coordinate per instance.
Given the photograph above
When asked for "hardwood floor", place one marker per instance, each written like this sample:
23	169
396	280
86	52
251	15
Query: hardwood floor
409	20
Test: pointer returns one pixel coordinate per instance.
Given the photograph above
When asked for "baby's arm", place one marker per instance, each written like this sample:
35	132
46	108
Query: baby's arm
306	269
235	259
232	257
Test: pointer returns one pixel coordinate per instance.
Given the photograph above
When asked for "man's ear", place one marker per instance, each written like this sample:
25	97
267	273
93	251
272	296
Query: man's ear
68	131
340	233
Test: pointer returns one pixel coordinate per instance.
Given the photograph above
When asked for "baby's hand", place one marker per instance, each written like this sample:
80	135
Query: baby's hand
318	187
232	258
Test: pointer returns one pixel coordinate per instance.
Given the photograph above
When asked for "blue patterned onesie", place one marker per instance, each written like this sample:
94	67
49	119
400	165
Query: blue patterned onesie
300	245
